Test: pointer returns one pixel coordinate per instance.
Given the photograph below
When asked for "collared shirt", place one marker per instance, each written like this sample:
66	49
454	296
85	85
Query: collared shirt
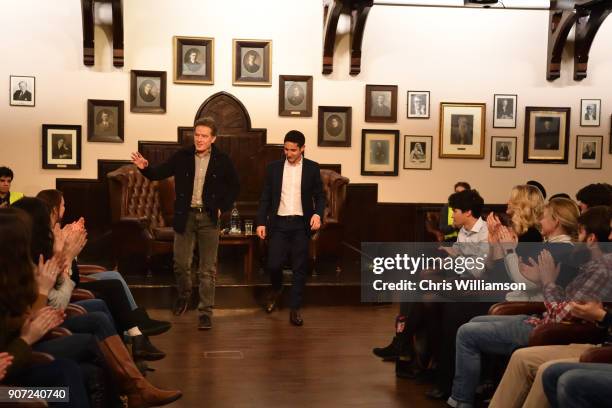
473	243
291	193
594	282
201	165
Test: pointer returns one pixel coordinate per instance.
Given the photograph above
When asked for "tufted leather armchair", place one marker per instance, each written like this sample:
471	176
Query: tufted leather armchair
329	237
141	214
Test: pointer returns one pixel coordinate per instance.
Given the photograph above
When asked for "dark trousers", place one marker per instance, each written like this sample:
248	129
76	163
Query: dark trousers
289	237
112	292
58	373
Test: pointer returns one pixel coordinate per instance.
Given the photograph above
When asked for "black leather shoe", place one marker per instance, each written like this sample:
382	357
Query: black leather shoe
142	349
295	317
391	352
273	300
204	322
180	306
437	394
148	326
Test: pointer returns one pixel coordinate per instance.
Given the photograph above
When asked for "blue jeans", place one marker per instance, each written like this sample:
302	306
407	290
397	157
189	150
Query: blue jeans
97	323
484	334
96	305
116	275
576	385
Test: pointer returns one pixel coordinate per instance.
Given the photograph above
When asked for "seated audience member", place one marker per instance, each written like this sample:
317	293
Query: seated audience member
44	243
7	197
503	334
594	195
24	320
521	385
148	326
446	215
525	209
559	227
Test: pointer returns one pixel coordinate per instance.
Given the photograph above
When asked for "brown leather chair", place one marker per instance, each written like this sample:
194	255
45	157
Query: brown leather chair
329	237
141	214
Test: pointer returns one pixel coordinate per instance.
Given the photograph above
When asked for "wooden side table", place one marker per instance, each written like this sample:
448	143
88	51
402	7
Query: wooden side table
246	240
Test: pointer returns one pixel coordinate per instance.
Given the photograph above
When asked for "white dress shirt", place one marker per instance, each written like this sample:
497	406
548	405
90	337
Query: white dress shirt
291	192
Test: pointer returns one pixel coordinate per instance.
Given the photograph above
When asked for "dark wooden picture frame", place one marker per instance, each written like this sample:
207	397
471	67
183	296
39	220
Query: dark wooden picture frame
462	130
379	152
420	160
415	111
61	147
384	110
147	91
541	148
184	135
335	126
194	60
295	95
108	130
595	154
501	117
585	112
19	97
497	159
252	62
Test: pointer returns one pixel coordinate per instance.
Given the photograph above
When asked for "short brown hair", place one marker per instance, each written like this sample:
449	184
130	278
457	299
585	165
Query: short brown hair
208	122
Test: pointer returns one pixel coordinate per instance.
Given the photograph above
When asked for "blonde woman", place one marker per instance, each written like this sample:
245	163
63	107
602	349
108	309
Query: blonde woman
525	208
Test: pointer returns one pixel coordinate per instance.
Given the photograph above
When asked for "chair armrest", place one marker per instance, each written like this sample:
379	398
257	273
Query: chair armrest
75	310
56	333
565	333
39	357
597	355
86	278
81	294
517	308
89	269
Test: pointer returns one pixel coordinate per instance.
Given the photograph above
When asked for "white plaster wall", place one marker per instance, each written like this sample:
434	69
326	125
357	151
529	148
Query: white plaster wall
463	55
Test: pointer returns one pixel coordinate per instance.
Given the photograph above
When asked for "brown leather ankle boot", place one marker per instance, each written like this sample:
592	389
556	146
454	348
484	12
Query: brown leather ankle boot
139	391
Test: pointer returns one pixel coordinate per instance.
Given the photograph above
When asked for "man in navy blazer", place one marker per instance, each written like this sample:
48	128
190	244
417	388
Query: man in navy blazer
290	210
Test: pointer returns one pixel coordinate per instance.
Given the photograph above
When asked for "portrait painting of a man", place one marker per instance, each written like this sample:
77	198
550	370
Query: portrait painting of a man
547	133
462	129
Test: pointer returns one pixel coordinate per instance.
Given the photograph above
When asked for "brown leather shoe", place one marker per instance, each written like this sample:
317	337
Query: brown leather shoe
295	317
273	299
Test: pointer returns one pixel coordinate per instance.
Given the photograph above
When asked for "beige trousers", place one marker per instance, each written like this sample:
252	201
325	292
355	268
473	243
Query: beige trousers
521	385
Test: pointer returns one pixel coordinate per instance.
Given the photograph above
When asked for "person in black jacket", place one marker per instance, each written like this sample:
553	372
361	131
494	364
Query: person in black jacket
291	206
206	184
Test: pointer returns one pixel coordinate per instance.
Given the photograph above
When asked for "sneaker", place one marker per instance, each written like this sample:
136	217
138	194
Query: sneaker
204	322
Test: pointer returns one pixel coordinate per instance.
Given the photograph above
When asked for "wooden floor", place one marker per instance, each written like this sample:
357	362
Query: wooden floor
251	359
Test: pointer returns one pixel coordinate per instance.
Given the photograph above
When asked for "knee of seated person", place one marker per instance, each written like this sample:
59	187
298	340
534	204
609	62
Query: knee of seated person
569	383
101	318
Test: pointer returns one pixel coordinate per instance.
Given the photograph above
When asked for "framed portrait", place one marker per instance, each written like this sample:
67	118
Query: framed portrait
185	135
335	126
61	147
194	60
588	152
417	152
22	91
462	130
381	103
590	112
295	95
546	135
148	91
418	105
379	152
504	111
252	62
503	151
104	121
